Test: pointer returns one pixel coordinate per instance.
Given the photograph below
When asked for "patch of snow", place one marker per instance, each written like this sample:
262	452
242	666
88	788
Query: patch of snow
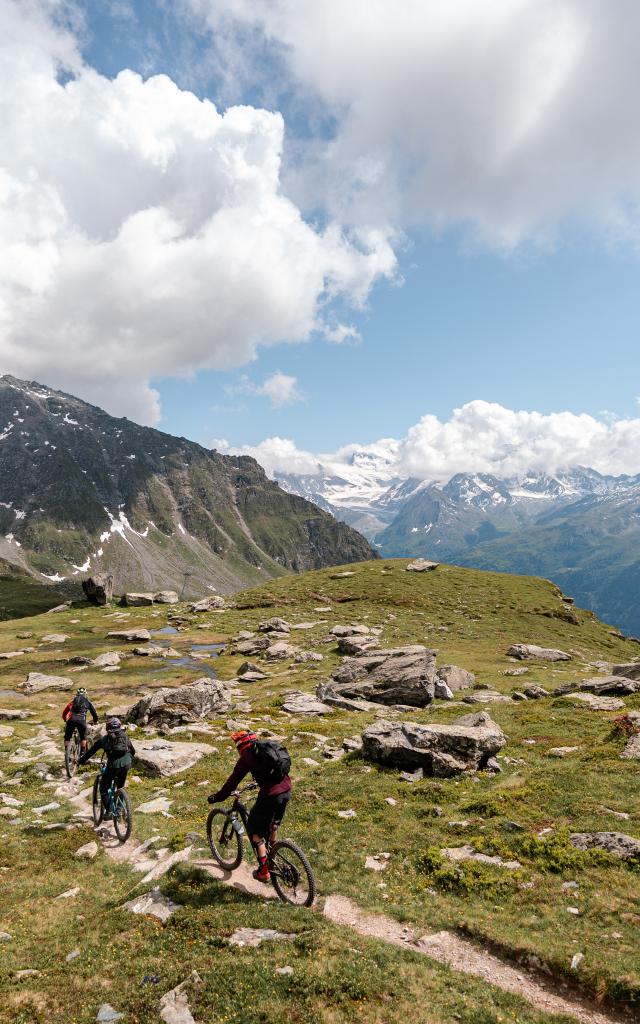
67	419
56	578
181	528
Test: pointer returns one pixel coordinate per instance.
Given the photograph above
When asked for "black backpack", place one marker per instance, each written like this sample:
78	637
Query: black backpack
274	762
79	706
117	743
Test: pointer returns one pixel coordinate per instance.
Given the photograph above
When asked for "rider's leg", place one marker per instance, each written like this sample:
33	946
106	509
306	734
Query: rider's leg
105	785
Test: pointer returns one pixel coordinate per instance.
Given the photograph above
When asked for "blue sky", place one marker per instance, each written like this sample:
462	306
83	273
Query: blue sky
478	171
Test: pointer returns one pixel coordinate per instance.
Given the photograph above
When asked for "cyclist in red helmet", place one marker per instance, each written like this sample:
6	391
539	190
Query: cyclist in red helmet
274	794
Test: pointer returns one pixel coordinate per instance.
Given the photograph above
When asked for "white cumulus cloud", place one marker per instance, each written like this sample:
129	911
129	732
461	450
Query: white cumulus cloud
479	437
280	389
146	234
510	117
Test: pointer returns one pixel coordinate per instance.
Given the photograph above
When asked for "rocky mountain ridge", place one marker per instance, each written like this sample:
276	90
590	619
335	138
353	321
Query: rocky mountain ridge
81	491
580	527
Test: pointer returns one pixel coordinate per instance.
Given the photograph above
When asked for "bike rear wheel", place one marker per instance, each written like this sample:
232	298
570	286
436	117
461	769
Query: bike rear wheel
291	874
225	841
96	803
122	815
71	755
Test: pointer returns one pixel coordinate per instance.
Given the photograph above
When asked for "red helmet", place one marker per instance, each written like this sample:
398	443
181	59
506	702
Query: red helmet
243	739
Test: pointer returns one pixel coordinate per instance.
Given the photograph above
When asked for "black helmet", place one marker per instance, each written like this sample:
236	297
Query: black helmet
113	724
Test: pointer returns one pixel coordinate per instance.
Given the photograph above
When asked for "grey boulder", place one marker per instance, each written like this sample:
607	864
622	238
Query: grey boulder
37	681
192	702
208	604
400	675
274	625
297	702
132	600
98	589
630	670
614	685
455	678
132	636
422	565
466	745
163	757
166	597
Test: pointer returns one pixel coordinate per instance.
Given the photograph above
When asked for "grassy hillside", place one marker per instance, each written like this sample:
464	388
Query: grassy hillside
21	594
524	813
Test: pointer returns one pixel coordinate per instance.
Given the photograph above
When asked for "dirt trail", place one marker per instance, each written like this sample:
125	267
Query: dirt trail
461	955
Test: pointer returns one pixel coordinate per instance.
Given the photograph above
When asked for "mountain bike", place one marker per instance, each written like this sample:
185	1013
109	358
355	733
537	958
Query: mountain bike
72	754
289	868
118	807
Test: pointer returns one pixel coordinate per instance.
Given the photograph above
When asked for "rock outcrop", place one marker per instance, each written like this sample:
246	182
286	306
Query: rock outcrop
455	678
422	565
98	589
400	675
132	600
465	745
616	843
175	705
533	652
132	636
38	681
208	604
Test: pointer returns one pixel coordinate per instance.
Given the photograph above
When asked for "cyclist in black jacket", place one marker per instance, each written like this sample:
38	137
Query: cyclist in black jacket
75	717
119	751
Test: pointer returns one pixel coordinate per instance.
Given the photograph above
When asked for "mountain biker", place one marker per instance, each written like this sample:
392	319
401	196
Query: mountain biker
273	796
119	750
75	717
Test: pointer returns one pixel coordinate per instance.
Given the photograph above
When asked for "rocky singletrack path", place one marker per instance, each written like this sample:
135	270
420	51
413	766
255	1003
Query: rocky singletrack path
445	947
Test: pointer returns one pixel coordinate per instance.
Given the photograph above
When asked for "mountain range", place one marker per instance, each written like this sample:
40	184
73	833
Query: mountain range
83	492
580	528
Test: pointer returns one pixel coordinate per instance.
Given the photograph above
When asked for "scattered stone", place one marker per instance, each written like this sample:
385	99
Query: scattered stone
158	806
6	937
107	1014
98	589
518	696
153	903
297	702
341	575
23	975
6	731
441	750
442	691
310	762
131	600
284	970
422	565
249	648
163	757
254	936
631	670
576	960
109	659
535	692
611	685
38	681
597	703
10	715
193	702
561	751
347	814
87	852
632	750
462	853
7	655
389	800
174	1005
24	635
70	957
573	910
304	657
68	894
379	862
515	672
11	801
532	651
274	625
486	697
208	604
411	777
250	672
352	630
352	744
280	651
166	597
132	636
616	843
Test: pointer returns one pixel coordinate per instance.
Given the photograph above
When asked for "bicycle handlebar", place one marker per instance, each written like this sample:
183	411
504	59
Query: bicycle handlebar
245	789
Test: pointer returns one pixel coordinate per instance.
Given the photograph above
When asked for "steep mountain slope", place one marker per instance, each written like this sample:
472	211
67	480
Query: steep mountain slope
81	491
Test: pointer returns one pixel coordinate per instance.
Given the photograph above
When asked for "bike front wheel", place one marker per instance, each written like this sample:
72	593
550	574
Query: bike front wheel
96	804
225	841
122	815
291	874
